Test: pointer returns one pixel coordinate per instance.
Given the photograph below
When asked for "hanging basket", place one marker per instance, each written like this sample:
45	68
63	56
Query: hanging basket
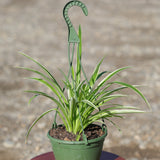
76	150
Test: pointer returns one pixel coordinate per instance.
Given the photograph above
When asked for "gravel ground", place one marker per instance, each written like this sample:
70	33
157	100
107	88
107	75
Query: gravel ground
126	32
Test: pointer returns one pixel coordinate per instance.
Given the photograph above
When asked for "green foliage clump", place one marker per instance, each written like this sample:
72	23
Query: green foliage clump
83	102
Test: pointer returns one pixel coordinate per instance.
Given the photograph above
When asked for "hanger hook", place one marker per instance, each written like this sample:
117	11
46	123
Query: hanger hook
72	35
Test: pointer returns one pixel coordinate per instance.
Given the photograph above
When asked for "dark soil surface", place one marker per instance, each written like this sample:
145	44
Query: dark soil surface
91	132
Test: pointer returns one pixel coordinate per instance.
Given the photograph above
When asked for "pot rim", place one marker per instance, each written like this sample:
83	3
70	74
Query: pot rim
79	142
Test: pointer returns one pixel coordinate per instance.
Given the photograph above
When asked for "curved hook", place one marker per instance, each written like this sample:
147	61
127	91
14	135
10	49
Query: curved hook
72	35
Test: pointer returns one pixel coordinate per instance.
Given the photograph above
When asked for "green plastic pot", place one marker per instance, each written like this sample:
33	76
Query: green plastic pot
77	150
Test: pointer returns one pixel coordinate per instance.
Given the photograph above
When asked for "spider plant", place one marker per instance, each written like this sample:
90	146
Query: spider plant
83	101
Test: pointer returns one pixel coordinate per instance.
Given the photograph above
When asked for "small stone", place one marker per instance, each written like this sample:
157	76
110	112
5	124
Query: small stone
101	133
15	139
137	138
142	146
41	125
8	144
4	129
18	145
66	139
37	148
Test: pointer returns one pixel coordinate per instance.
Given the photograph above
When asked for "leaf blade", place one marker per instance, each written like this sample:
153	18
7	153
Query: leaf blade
111	75
37	119
134	89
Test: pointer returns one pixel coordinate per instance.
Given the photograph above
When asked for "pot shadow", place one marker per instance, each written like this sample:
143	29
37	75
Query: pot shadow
109	156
